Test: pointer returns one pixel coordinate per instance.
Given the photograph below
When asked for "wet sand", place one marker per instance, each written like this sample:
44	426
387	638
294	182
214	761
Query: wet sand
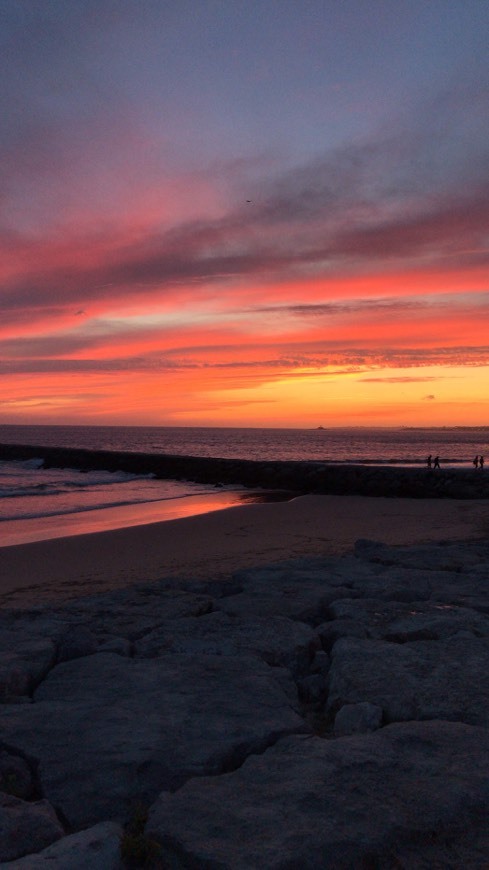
218	543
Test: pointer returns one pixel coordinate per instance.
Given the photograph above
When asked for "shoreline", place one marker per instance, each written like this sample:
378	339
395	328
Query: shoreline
299	476
217	544
94	520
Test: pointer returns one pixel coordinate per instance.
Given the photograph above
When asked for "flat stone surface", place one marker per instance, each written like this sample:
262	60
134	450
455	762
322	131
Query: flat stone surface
357	719
349	803
15	776
96	848
296	590
446	679
400	622
276	640
132	613
443	556
24	661
26	826
109	732
185	693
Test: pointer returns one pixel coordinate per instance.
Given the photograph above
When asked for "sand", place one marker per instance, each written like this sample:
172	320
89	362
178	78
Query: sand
218	543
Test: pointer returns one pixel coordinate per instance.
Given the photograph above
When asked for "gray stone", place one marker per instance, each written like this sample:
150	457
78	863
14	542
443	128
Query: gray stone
469	590
14	678
321	663
397	583
330	632
348	803
132	613
313	689
118	645
276	640
26	827
294	590
24	661
97	848
446	679
124	613
77	642
15	776
443	556
109	732
401	622
205	706
357	719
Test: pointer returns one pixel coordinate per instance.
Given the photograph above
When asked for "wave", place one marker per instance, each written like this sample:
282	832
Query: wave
79	509
62	485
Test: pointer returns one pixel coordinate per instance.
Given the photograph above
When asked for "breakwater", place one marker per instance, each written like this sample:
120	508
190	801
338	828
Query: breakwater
295	476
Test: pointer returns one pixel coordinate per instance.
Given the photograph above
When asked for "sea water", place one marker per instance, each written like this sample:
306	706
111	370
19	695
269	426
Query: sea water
29	492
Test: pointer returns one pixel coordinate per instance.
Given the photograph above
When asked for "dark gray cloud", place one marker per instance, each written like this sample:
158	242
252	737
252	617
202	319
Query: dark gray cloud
83	129
232	248
398	380
313	361
377	305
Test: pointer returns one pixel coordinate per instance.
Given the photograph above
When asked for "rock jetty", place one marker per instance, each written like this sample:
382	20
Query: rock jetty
327	712
294	476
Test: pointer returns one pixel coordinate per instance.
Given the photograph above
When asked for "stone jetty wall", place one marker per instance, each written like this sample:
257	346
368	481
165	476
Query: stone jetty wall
299	476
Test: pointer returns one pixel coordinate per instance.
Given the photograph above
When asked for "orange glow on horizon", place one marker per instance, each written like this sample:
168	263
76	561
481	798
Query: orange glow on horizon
389	347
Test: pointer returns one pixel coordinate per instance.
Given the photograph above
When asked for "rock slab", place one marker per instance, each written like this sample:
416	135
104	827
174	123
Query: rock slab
323	712
353	802
109	732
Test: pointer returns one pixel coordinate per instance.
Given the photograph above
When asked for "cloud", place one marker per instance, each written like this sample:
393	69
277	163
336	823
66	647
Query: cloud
352	209
309	361
409	379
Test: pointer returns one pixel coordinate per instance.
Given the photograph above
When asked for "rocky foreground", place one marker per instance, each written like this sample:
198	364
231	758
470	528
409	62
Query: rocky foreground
327	713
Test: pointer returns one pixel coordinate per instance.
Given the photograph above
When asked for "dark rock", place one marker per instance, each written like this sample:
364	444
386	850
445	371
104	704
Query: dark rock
321	663
188	690
142	726
24	661
296	590
26	827
357	719
276	640
446	679
77	642
400	622
313	689
97	848
354	802
132	613
15	776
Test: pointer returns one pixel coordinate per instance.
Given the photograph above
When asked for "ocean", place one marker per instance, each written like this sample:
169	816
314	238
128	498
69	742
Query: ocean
38	503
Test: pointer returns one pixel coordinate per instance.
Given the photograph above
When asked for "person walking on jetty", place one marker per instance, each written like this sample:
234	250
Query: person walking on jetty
476	461
436	462
481	462
428	461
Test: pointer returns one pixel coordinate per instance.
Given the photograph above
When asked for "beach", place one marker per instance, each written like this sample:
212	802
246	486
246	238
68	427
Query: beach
215	545
185	686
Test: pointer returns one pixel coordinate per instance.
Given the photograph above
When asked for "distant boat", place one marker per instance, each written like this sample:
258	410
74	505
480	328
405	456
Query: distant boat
320	427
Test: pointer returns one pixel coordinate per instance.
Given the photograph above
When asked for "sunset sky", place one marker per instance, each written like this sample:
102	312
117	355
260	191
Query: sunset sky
244	212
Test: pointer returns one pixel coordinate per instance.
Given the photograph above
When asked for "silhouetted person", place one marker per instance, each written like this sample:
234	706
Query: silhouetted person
476	461
481	462
436	462
428	461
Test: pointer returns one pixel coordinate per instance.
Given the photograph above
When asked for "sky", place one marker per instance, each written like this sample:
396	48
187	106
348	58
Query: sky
244	212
